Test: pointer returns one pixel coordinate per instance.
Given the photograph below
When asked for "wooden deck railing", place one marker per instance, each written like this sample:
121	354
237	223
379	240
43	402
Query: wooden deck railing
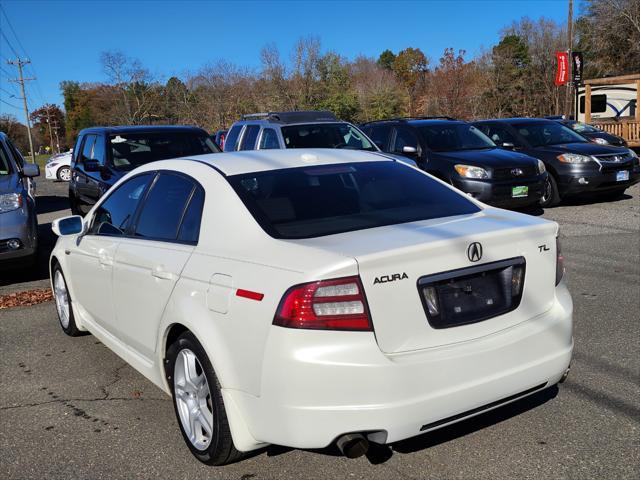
627	129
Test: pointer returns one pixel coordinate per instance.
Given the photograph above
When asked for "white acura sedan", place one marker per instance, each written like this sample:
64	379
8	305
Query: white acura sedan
306	297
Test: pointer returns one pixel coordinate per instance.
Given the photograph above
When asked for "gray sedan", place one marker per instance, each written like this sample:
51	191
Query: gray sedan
18	220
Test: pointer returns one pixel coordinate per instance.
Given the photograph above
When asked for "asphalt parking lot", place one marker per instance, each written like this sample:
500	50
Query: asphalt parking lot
69	408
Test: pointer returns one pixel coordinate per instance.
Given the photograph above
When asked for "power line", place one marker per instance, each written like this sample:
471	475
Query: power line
12	30
9	43
11	105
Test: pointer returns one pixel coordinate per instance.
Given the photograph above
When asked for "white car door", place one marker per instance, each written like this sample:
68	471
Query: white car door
91	261
149	263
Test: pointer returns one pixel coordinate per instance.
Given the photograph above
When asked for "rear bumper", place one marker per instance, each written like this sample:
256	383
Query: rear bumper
572	182
499	192
315	388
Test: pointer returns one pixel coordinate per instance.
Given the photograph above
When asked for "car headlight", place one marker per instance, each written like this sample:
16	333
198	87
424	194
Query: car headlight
541	167
601	141
9	202
574	158
469	171
633	154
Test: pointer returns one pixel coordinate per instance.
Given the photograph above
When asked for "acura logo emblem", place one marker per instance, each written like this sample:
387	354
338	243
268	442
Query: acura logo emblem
474	251
516	172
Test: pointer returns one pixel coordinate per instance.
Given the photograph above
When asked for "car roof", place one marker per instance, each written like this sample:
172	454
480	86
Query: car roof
517	120
289	118
142	128
417	121
247	161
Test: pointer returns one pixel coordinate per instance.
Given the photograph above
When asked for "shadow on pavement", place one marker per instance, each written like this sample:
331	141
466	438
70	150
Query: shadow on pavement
51	203
39	271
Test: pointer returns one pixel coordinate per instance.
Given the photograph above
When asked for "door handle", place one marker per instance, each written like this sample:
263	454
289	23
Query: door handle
104	259
159	272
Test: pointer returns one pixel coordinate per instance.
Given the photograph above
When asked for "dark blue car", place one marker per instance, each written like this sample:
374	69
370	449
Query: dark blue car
575	164
102	155
460	154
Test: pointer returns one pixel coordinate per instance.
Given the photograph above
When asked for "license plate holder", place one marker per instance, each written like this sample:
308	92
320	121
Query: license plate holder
622	176
520	192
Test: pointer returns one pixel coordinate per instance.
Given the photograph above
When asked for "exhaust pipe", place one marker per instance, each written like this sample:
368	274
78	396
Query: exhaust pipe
565	374
352	445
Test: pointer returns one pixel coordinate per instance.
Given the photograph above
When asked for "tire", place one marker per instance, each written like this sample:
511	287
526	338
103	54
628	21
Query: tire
194	386
550	196
64	174
63	303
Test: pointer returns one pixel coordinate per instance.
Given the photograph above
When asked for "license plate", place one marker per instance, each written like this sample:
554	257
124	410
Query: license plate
519	191
622	175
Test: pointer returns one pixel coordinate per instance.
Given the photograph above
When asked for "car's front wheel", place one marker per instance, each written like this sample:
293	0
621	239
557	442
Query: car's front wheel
198	403
64	174
63	303
550	195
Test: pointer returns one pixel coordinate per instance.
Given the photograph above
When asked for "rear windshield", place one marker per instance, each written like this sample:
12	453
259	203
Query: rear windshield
131	150
308	202
447	137
326	135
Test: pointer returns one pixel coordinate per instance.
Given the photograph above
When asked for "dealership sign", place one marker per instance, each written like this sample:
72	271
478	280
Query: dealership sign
562	74
576	58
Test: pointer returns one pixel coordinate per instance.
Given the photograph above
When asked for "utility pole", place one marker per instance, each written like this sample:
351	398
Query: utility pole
19	63
567	99
55	130
50	132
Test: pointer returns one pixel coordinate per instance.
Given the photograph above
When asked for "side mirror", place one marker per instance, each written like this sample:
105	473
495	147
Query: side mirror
409	149
66	226
30	170
92	166
508	145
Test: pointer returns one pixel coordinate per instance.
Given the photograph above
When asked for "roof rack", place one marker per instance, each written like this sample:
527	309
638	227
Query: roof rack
404	119
293	117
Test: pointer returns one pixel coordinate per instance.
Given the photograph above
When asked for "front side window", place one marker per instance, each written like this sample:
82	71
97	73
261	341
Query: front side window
231	141
498	134
269	139
308	202
114	215
5	164
582	127
448	137
130	150
326	135
87	148
249	138
164	207
404	138
548	133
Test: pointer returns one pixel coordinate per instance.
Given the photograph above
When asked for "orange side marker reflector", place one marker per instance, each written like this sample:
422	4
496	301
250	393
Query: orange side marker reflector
249	294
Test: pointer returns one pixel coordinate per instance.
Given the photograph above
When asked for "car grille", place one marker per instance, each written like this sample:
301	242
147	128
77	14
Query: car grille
616	161
505	173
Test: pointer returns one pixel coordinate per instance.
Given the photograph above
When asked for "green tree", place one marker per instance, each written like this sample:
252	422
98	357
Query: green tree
386	59
510	60
411	66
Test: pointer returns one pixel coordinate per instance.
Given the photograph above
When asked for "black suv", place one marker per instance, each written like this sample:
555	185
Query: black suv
102	155
575	165
460	154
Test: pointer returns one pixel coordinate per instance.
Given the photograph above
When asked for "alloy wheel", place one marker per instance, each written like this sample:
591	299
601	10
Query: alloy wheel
193	399
546	195
62	298
65	174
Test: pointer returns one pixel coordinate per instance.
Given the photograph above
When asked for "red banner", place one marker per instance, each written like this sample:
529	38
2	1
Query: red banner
562	74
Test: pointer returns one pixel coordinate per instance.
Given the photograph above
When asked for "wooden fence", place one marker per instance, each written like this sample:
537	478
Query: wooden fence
627	129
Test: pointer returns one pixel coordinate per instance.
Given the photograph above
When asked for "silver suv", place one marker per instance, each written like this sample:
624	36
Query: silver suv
306	129
18	219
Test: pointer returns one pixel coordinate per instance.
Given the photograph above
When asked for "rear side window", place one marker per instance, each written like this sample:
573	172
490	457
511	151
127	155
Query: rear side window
269	139
164	207
115	214
314	201
5	164
190	227
231	141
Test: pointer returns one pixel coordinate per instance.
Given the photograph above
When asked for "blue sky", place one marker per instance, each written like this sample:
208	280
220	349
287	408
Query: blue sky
64	39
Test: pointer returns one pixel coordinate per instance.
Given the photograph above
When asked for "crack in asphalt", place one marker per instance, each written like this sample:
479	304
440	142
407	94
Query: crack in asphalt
66	400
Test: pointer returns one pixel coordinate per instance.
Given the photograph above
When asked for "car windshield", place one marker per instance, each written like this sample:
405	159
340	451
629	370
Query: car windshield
548	133
130	150
582	127
326	135
5	165
447	137
307	202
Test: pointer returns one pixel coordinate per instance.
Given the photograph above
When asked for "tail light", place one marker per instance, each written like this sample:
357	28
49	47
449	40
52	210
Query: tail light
337	304
559	262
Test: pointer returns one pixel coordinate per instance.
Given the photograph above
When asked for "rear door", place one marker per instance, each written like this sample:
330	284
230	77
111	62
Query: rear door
81	176
149	262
